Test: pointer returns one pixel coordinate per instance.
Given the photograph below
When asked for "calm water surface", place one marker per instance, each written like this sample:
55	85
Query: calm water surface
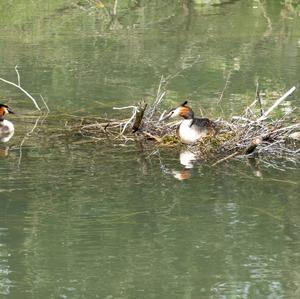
80	219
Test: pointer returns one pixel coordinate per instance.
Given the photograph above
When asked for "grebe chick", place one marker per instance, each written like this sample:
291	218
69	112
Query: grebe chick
7	128
191	129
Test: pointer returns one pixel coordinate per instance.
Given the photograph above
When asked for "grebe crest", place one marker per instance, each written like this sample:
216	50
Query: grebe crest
181	111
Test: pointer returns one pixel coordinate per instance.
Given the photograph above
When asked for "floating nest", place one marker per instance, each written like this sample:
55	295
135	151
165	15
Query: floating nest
243	135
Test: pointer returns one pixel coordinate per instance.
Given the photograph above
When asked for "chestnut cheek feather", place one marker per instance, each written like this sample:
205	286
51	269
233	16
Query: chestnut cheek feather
183	111
2	111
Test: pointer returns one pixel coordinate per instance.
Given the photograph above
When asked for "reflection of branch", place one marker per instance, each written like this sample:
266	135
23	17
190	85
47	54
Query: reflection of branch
269	22
115	8
21	88
184	67
28	134
47	107
18	75
163	83
225	86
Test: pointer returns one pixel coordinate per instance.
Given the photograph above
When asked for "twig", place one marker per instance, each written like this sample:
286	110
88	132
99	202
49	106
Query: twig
135	109
226	158
250	106
291	127
21	88
259	99
122	108
159	96
158	139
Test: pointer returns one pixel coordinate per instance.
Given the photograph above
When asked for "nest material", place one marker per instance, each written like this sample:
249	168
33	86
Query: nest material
242	135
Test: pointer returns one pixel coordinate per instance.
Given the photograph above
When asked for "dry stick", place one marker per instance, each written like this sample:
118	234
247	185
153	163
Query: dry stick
158	99
278	102
134	111
158	139
122	108
139	117
226	158
253	145
260	104
286	128
22	89
156	104
250	106
259	99
254	102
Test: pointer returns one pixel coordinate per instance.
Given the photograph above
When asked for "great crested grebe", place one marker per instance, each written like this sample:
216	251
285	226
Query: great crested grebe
191	129
6	127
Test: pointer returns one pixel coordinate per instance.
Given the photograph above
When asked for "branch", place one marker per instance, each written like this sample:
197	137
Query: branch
278	102
226	158
21	88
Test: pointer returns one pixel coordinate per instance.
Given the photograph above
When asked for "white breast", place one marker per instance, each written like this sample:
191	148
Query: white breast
6	130
187	133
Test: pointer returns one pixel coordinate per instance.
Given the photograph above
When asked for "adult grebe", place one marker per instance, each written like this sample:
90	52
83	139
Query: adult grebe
6	127
191	129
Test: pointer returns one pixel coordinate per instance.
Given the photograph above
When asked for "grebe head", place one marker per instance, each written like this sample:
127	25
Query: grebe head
180	111
4	109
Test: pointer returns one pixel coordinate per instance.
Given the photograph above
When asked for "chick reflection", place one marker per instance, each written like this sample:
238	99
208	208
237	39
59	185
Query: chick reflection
187	159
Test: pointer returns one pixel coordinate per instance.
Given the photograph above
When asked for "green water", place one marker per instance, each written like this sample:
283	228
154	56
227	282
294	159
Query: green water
82	219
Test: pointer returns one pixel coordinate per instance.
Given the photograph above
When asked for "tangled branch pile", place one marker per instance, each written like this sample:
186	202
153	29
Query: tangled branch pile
242	135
